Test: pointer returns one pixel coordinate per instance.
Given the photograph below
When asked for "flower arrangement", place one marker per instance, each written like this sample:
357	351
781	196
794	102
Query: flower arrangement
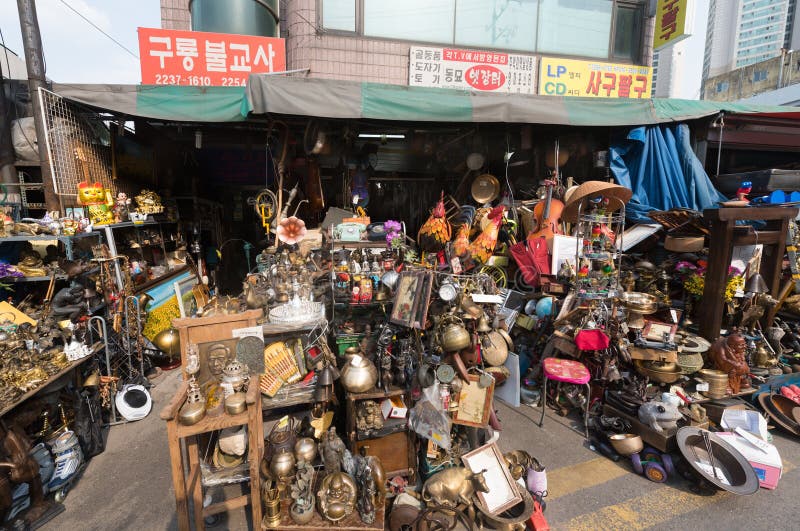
694	279
8	271
394	236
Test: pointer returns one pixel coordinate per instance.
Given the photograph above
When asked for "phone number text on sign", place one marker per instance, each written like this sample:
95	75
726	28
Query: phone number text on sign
196	58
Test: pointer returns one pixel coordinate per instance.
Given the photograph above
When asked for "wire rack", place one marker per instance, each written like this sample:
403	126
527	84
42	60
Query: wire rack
75	145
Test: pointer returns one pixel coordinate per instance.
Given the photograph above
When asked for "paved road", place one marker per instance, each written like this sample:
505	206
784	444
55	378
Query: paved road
129	487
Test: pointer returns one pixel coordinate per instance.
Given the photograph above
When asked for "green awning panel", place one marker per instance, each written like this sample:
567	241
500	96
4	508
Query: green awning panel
162	102
328	98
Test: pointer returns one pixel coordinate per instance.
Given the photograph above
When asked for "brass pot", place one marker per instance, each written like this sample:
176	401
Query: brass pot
358	375
454	336
169	342
282	464
305	449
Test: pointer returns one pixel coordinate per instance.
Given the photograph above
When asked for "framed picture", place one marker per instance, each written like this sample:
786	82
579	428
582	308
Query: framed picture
503	493
184	291
406	299
214	356
474	402
655	331
423	299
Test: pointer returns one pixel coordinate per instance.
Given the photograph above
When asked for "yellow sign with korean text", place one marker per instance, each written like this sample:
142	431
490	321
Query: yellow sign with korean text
570	77
671	17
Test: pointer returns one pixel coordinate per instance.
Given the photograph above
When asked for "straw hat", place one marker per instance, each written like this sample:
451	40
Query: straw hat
591	190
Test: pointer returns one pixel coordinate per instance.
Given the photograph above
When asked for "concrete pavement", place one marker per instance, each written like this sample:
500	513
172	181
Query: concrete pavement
129	486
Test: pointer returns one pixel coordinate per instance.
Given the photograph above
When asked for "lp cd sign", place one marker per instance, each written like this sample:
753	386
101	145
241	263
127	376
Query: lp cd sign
555	88
570	77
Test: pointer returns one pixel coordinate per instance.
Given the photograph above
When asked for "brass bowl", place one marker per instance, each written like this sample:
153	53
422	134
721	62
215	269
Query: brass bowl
666	373
626	443
235	403
713	374
642	303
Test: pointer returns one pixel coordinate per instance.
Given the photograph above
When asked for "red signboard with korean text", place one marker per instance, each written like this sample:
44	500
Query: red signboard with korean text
171	57
485	70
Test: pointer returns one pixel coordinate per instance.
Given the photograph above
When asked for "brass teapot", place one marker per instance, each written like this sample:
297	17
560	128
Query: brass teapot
453	335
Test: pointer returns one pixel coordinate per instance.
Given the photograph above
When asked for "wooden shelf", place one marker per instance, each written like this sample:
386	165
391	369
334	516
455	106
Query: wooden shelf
42	237
375	394
95	349
360	244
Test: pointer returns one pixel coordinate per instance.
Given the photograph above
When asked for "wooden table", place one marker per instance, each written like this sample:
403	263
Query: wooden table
722	222
191	481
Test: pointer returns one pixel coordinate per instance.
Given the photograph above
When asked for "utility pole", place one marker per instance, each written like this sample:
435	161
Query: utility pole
34	59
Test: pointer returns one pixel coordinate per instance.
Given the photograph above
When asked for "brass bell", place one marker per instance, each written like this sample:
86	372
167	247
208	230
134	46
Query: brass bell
483	325
756	284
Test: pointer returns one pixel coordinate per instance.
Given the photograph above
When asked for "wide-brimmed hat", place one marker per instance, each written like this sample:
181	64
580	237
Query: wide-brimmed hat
733	472
133	402
591	190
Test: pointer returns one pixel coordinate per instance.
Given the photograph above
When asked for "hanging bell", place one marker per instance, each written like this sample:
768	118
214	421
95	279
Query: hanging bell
483	325
322	393
756	284
326	377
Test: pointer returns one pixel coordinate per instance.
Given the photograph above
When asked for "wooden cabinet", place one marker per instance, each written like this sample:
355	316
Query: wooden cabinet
394	445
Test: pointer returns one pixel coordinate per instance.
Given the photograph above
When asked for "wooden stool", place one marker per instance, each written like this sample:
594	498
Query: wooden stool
191	480
568	371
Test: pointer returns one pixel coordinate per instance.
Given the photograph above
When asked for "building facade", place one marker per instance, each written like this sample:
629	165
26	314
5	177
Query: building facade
678	68
775	81
370	40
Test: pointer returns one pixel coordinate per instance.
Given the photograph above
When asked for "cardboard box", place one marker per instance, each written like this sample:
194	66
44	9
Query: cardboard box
768	466
394	408
748	420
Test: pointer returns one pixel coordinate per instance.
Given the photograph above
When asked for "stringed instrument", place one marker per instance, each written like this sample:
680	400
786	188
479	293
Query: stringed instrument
547	213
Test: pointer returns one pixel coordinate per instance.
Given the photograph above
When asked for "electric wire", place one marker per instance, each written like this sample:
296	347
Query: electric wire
98	28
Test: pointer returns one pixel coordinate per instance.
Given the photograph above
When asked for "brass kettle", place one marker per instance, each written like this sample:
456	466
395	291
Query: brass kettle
453	336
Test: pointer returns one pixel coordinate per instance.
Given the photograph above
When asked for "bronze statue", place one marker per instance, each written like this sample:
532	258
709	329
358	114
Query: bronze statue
332	451
68	303
337	496
729	356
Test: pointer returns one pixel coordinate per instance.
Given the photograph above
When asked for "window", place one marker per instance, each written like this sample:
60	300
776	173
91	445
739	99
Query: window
420	20
722	86
759	75
500	24
560	27
339	15
627	30
575	27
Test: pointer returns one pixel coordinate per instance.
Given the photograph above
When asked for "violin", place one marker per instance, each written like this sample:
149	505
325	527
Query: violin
547	214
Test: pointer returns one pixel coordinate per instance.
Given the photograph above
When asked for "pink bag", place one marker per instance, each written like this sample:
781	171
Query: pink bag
592	339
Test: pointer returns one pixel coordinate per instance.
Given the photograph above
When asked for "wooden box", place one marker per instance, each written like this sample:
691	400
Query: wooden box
664	441
396	452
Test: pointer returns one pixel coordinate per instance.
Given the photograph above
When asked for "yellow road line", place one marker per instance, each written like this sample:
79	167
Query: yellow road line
642	512
569	479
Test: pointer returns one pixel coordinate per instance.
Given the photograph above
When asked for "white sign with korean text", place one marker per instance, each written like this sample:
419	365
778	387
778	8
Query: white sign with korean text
486	70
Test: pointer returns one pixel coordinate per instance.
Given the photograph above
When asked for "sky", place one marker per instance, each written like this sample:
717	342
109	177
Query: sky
74	51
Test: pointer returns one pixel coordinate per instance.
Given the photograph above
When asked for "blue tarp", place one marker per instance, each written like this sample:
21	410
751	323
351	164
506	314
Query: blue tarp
658	164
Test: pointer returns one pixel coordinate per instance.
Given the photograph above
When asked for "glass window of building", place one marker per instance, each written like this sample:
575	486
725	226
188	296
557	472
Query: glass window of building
627	33
339	15
414	20
503	24
575	27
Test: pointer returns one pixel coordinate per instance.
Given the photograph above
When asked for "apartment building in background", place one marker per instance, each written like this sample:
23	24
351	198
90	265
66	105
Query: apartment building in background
371	40
744	32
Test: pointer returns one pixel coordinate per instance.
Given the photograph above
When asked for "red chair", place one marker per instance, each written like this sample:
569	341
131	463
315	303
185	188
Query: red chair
567	371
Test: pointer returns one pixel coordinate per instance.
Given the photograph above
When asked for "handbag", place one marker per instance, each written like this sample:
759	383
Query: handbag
592	339
89	423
